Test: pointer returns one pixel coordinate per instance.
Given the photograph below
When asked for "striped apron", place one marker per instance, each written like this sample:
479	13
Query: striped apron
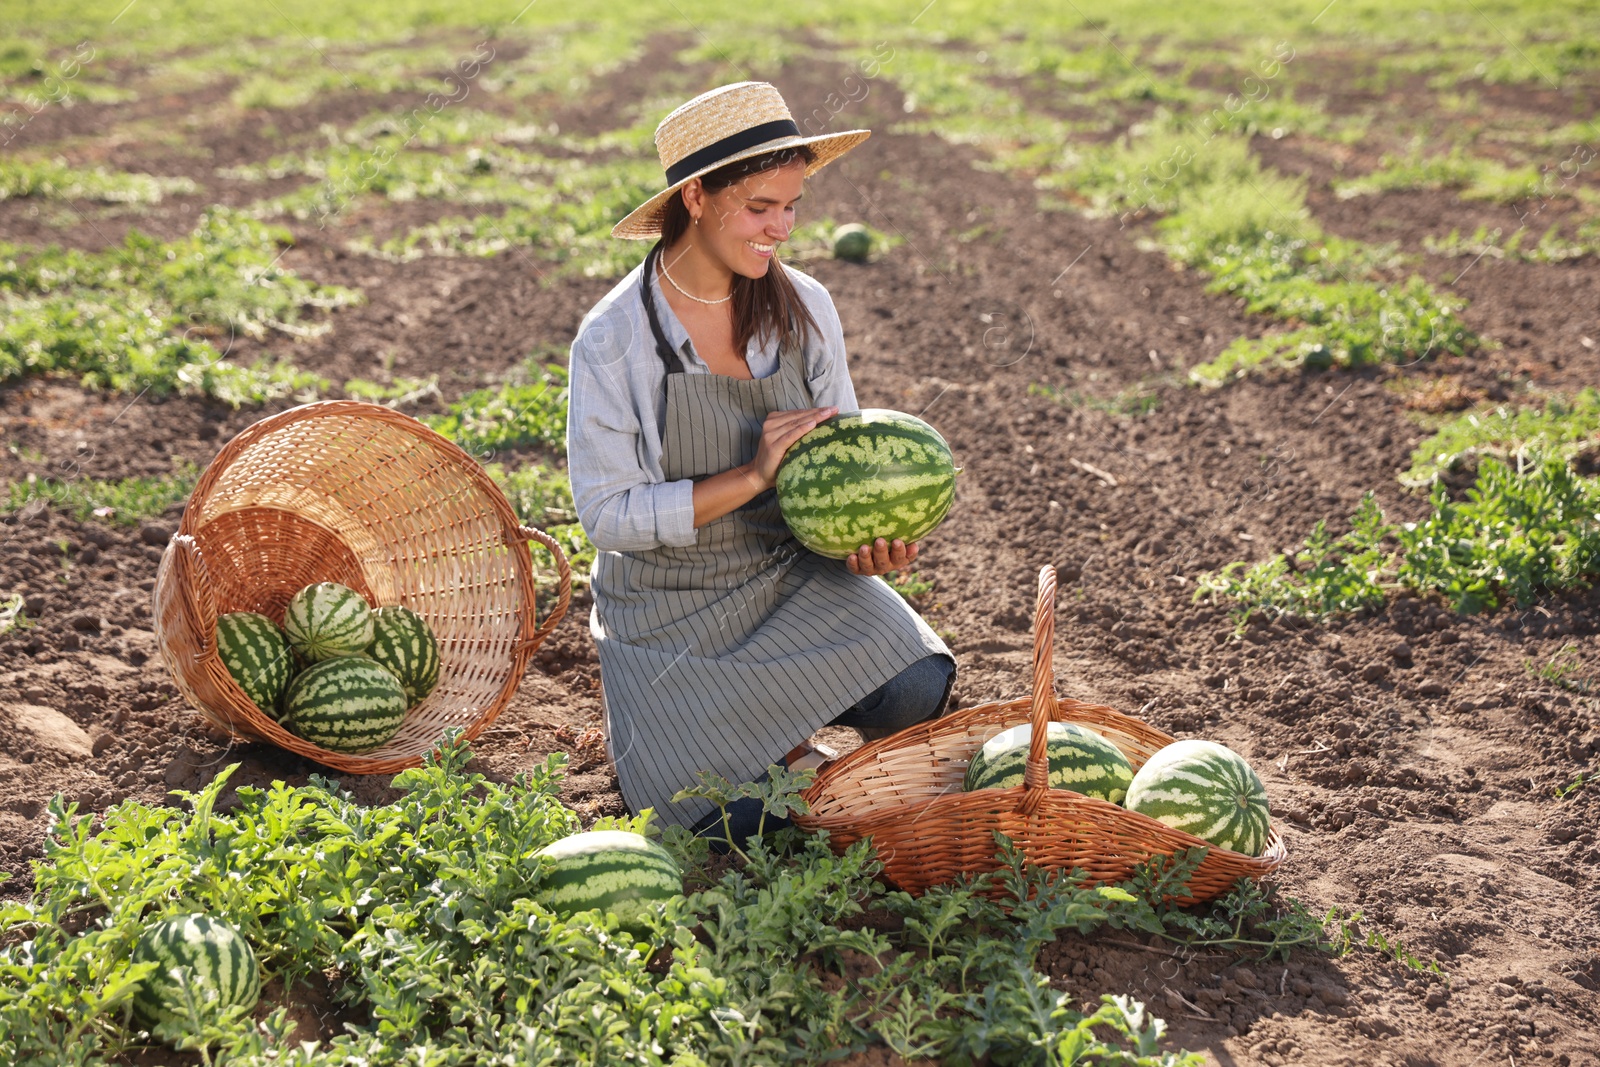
724	655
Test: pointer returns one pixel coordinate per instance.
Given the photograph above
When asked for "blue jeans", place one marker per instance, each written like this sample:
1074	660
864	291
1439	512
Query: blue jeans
916	694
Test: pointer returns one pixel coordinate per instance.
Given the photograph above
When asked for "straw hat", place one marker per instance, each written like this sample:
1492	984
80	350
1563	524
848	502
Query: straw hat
723	126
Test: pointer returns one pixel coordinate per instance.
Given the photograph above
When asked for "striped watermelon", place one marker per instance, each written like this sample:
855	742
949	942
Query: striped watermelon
348	704
610	870
864	475
327	620
1205	789
257	655
199	960
403	643
1080	760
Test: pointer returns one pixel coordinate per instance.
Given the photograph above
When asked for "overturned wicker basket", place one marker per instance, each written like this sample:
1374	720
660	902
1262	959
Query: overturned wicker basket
355	493
905	792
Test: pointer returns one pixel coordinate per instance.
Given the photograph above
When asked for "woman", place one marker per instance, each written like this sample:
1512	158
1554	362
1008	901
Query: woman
723	643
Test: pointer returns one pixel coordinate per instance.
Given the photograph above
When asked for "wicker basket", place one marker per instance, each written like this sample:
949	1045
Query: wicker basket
348	492
905	792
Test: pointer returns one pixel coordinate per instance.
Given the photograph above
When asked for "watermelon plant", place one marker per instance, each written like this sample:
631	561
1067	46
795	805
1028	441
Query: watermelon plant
425	914
1079	758
403	642
348	704
1205	789
327	619
862	475
257	655
614	871
202	966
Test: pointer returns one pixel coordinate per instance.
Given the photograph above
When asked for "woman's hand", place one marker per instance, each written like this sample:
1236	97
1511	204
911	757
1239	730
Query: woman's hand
880	557
782	429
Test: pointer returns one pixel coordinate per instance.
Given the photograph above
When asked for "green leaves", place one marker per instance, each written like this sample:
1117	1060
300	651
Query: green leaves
423	914
1521	530
1564	426
513	414
146	314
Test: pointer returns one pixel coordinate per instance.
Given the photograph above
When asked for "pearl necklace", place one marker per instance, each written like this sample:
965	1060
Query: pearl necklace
691	296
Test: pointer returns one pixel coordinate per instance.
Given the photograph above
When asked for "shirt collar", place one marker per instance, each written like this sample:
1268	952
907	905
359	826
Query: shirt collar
678	337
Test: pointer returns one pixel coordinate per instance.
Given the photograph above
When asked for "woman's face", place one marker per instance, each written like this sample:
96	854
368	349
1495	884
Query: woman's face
743	224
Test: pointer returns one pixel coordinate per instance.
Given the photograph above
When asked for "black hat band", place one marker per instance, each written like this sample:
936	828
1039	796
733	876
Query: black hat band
699	160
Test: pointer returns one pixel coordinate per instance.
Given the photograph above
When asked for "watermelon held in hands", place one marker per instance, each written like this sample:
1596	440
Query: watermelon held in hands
257	656
608	870
862	475
326	620
1205	789
202	964
349	704
405	644
1079	759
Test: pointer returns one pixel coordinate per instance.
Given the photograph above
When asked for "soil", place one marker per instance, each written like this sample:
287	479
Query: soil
1413	756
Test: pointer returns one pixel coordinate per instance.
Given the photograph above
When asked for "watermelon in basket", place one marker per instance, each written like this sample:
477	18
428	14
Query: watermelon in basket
905	792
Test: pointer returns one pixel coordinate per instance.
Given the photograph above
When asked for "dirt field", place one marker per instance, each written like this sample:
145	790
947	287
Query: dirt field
1411	756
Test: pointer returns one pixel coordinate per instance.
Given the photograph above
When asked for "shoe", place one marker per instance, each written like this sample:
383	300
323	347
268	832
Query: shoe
813	758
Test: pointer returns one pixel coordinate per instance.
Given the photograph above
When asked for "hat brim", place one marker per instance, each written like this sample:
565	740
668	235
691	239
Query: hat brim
644	222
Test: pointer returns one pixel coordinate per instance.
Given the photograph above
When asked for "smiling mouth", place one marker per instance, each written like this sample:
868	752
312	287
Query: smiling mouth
765	250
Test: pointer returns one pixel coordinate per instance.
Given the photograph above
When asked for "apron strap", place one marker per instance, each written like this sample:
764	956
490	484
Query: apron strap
669	356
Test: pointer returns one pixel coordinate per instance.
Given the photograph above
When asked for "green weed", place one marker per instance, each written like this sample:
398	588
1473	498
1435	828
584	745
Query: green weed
1135	401
1475	177
143	315
1248	227
1564	670
124	501
1584	778
1349	934
397	393
1550	248
1563	426
1520	531
425	914
55	180
1324	577
908	584
565	221
510	415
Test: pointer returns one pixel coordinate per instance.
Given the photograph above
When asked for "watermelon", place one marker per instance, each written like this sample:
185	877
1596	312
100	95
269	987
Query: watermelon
198	959
348	704
1080	760
327	620
853	242
862	475
609	870
403	642
1205	789
257	655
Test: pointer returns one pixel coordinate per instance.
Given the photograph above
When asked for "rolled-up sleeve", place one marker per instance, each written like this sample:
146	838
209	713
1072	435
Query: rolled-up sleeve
624	502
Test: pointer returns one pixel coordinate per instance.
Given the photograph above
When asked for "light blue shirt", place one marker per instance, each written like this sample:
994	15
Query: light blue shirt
619	400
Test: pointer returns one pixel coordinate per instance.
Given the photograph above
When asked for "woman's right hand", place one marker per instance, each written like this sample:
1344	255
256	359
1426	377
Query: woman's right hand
782	429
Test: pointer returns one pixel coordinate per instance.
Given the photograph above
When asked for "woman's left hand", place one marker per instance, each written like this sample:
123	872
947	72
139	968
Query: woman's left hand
880	557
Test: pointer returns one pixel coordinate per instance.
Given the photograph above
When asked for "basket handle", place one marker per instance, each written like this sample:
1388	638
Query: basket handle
1036	773
563	579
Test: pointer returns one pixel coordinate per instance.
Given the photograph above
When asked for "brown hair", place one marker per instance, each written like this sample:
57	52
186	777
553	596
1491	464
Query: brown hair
763	307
